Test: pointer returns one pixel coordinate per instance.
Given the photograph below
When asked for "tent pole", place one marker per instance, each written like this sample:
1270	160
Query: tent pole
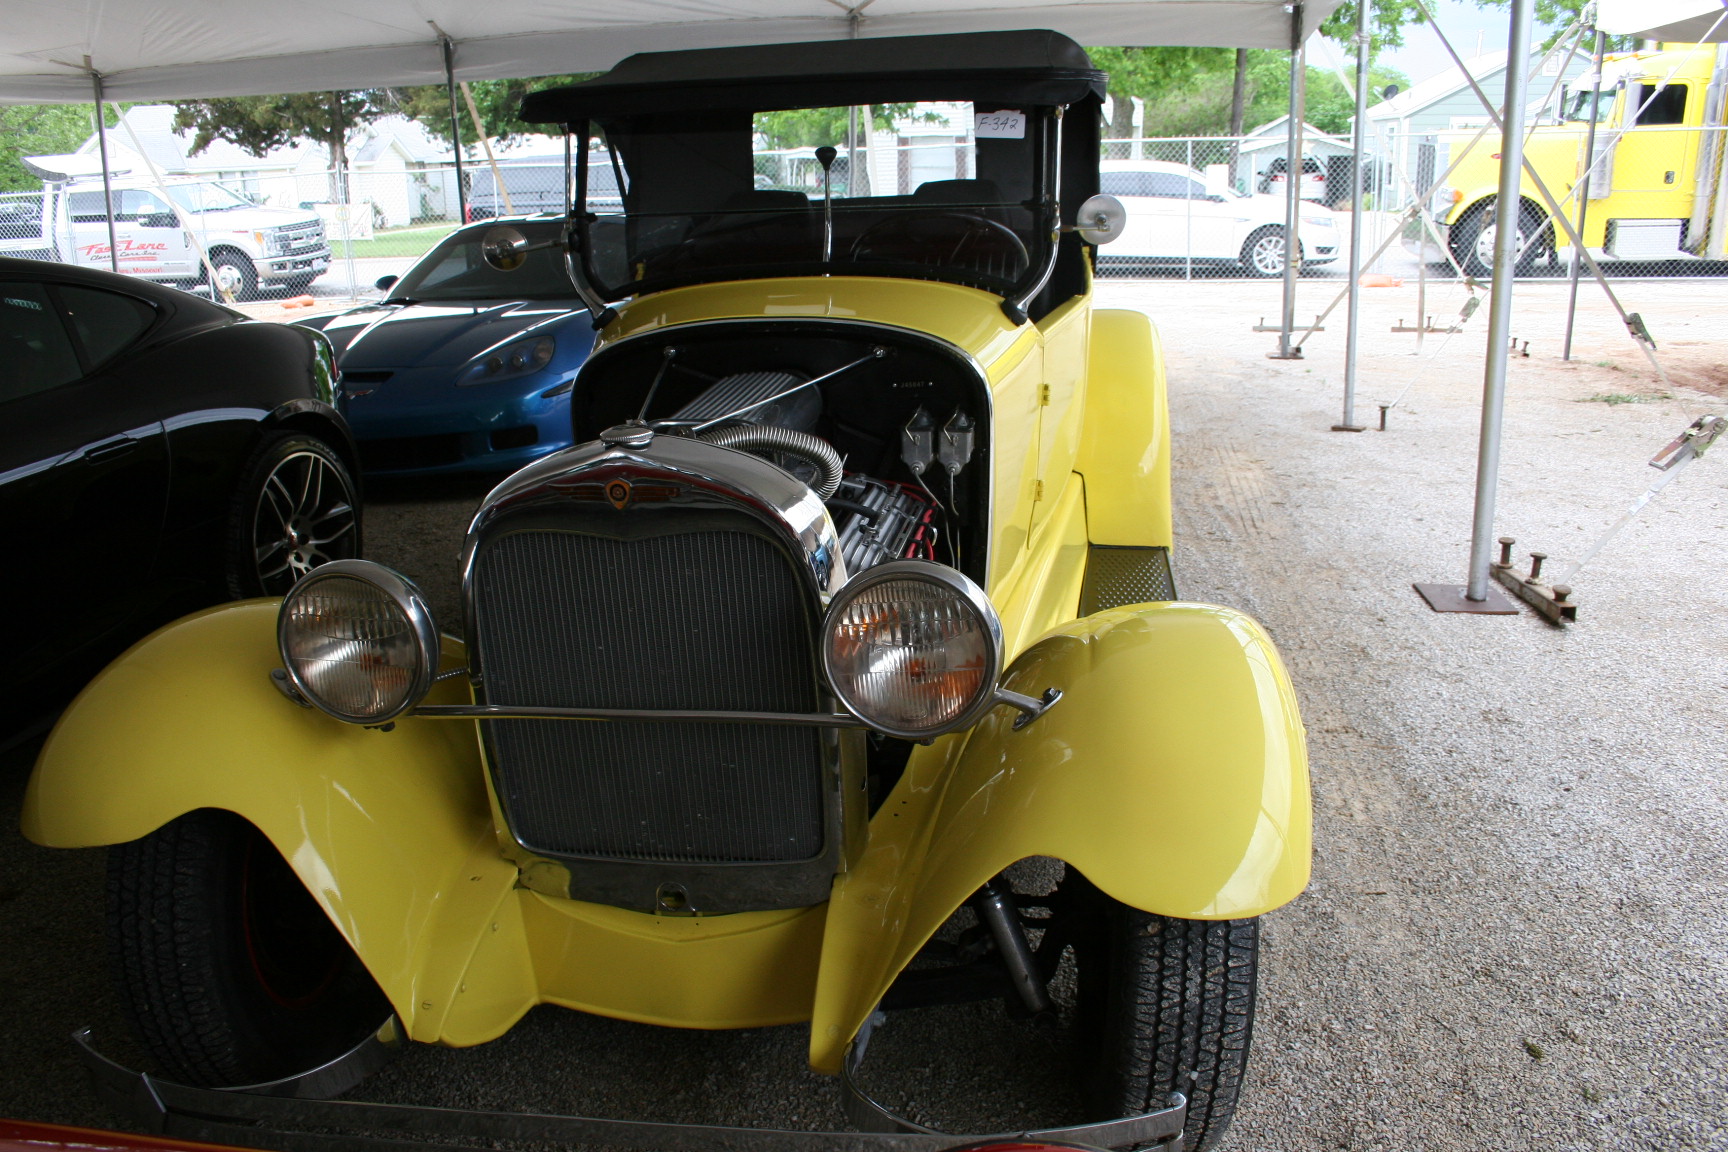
449	47
1584	193
1293	188
1358	140
107	178
1500	298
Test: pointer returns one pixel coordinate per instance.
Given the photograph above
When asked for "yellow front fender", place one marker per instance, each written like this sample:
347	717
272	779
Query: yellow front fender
390	831
1173	773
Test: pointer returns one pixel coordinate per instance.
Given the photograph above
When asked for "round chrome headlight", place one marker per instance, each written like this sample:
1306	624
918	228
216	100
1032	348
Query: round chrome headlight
358	641
913	649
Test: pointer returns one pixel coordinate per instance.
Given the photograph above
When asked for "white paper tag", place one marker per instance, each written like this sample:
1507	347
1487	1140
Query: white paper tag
1008	124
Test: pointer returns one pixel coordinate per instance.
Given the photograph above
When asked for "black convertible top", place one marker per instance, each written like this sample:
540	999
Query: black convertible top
1002	68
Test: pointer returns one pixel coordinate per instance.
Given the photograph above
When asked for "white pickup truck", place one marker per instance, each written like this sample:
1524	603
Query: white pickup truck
249	246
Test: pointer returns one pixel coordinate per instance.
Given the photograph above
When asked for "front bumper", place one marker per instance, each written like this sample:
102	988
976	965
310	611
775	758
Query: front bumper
298	264
286	1114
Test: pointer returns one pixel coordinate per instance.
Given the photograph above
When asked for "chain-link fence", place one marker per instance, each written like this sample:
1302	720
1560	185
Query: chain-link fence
1198	207
1656	204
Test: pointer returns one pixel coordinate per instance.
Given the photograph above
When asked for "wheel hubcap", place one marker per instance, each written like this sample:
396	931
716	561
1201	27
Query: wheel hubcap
305	516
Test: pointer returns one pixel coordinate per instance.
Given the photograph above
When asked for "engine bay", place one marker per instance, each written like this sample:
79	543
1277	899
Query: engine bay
890	430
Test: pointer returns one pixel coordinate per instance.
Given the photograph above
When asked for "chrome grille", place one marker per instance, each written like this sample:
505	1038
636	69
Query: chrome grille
712	620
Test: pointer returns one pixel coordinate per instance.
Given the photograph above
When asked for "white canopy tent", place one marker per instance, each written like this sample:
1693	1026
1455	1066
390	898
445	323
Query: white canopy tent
178	49
1673	21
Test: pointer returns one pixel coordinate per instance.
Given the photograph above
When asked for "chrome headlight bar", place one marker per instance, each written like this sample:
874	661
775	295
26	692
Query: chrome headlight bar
911	648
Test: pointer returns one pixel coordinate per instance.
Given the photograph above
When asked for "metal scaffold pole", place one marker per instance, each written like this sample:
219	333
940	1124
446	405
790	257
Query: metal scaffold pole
1358	141
1500	299
107	175
1477	595
1293	190
1584	192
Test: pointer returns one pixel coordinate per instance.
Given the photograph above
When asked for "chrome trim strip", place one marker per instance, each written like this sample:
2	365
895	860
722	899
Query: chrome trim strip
286	1118
509	712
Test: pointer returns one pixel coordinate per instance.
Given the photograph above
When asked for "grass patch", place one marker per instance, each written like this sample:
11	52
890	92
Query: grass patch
411	242
1625	398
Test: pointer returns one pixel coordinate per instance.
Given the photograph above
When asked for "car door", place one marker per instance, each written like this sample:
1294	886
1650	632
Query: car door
83	476
1210	218
155	241
1147	232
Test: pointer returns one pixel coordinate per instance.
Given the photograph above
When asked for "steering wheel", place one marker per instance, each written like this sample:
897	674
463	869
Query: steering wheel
915	236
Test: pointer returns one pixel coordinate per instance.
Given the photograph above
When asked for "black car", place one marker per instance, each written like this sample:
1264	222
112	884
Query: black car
158	453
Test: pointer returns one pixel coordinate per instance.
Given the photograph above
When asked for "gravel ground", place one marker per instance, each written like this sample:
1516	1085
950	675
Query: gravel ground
1514	936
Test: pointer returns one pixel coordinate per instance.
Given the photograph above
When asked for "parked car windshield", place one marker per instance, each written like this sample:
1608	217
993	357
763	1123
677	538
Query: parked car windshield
455	270
206	198
933	190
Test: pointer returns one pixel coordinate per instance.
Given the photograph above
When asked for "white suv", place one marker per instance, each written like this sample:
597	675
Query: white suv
1175	216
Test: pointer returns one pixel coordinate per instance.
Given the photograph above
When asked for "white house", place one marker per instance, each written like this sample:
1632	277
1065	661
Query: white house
1403	128
394	164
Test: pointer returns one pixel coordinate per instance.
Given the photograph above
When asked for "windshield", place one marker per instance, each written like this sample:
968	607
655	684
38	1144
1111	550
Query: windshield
455	270
928	190
206	198
1580	109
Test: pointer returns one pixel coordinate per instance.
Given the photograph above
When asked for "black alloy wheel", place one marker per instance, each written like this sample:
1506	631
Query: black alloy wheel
295	508
230	970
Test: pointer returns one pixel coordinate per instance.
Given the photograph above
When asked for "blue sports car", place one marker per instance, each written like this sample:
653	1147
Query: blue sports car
461	368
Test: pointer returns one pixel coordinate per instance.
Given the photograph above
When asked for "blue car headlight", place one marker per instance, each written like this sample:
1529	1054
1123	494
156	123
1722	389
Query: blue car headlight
518	359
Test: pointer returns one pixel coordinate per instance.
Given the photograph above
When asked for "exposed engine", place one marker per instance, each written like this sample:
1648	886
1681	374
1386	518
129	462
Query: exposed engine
772	414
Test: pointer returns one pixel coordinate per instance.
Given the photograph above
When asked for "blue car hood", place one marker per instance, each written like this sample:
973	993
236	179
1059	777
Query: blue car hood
444	334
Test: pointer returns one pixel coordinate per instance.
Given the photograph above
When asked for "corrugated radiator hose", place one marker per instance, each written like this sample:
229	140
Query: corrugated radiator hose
768	438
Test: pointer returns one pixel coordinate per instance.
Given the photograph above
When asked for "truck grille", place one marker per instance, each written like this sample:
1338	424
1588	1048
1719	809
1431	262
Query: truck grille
713	620
295	239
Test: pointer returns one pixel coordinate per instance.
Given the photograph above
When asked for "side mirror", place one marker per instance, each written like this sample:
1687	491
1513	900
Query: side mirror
159	220
385	283
503	248
1100	220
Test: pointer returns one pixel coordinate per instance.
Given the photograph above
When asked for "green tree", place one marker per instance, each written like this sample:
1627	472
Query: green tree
260	123
1155	75
497	101
41	130
1555	16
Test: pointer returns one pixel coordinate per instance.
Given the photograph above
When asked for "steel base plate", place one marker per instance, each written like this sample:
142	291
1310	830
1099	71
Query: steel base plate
1451	598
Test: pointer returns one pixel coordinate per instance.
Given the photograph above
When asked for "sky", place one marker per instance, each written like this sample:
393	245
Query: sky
1471	29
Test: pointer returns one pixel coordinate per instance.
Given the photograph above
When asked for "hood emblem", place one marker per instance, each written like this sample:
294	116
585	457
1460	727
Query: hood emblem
618	493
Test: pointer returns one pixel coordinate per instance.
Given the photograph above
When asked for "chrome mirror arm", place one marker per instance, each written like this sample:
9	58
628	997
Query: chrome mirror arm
1030	708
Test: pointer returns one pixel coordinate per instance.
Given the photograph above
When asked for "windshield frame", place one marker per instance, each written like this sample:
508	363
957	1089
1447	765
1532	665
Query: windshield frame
1040	240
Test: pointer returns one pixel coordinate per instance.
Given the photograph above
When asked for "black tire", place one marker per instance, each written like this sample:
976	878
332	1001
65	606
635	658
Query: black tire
295	507
1263	252
297	285
234	269
1164	1005
1471	240
230	970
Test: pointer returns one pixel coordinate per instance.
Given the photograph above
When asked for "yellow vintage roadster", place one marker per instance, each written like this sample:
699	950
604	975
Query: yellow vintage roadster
854	592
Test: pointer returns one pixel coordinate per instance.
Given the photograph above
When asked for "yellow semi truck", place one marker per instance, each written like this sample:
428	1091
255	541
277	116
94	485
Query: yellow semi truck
1656	191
